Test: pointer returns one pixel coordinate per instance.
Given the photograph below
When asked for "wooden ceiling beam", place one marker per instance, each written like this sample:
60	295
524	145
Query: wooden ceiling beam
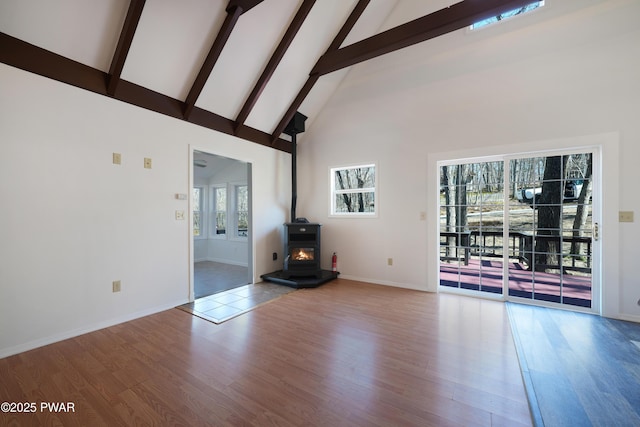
212	57
234	9
455	17
124	43
20	54
245	5
357	11
277	56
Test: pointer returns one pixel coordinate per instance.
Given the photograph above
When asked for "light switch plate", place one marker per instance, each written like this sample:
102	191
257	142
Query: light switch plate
180	215
147	163
117	158
625	216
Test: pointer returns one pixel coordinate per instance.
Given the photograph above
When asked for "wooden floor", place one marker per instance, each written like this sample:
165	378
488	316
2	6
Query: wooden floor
344	354
581	369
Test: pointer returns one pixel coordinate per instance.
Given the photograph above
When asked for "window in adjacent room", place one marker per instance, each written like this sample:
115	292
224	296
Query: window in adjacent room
515	12
219	211
242	210
198	213
353	191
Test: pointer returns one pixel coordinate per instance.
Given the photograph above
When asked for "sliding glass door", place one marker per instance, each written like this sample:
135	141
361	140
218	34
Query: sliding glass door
555	227
521	227
471	224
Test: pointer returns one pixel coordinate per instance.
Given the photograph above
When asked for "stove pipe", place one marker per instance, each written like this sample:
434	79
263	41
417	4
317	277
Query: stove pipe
295	126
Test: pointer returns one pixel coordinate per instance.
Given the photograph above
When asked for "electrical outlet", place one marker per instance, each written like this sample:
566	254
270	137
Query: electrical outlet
275	256
625	216
147	163
389	261
116	286
180	215
117	158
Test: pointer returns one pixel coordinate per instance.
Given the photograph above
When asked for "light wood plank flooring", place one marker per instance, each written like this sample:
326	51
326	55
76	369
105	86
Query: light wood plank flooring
344	354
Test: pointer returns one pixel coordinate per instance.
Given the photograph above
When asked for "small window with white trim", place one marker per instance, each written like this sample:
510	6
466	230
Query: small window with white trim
353	191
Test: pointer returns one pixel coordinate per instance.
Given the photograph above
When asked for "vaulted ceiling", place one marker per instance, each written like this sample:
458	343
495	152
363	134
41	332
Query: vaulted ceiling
242	67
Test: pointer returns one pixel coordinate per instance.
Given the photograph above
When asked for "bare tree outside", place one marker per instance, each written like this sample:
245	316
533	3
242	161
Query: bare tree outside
355	189
582	211
549	214
545	203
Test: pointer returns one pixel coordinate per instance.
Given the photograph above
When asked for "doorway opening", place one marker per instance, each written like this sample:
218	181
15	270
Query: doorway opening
221	212
521	227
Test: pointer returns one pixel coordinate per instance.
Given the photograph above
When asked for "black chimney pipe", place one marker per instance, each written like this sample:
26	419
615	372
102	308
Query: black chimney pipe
294	177
293	128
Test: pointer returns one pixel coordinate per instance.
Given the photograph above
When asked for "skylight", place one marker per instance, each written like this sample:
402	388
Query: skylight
518	11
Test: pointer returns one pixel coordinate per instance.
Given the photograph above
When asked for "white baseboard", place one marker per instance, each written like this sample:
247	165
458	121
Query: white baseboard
629	318
10	351
383	282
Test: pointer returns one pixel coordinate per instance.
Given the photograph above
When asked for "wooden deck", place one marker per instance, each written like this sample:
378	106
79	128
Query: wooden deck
486	275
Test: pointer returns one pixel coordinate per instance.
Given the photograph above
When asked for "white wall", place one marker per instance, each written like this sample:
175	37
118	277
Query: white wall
568	71
72	222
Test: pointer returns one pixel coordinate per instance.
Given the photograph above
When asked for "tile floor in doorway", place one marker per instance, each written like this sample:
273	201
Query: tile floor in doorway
220	307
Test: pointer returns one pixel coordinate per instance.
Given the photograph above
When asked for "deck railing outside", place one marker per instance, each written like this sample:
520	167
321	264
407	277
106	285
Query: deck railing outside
460	246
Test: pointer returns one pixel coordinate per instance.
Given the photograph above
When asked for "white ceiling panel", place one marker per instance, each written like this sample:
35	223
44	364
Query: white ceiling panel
248	50
85	31
367	26
206	166
317	32
371	20
171	43
320	94
408	10
173	37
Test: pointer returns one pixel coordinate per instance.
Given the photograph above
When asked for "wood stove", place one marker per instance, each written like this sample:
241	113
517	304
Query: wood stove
302	250
302	238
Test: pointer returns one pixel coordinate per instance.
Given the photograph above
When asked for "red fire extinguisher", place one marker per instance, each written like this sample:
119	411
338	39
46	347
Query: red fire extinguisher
334	262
